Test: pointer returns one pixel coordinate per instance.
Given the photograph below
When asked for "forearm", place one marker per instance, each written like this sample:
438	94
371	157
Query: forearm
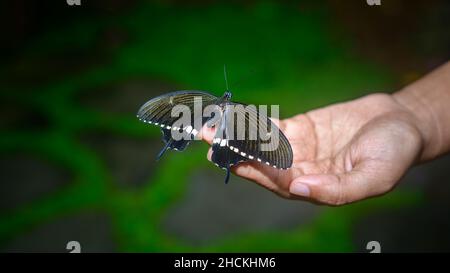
428	100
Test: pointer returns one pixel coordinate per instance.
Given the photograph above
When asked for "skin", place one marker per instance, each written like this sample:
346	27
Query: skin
359	149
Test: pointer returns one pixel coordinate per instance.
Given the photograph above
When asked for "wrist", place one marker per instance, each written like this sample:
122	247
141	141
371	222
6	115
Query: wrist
428	101
424	118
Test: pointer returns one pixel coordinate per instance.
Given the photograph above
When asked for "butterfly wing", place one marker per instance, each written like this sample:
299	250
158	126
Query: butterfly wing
158	111
272	148
222	156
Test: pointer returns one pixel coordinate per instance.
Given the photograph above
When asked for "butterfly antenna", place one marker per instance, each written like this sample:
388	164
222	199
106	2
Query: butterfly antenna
225	76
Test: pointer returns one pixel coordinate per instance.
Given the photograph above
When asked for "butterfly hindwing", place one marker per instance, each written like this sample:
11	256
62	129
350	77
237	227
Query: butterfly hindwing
222	156
172	144
158	111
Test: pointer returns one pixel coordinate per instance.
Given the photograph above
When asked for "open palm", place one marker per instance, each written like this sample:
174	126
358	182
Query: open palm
343	152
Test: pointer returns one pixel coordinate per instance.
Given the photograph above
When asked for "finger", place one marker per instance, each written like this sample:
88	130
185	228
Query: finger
339	189
209	154
279	123
245	169
207	134
262	175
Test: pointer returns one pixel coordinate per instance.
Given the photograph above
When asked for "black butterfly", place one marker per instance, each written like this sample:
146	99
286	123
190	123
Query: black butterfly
228	149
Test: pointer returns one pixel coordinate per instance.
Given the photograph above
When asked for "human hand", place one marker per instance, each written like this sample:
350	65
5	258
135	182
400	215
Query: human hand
342	153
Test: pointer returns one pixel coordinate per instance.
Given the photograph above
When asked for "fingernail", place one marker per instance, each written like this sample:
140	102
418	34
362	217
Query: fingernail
299	189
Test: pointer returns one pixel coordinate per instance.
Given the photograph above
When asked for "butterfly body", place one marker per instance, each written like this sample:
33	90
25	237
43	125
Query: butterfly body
228	148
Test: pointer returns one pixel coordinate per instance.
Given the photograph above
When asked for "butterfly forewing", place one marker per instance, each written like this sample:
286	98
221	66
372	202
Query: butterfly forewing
270	146
158	110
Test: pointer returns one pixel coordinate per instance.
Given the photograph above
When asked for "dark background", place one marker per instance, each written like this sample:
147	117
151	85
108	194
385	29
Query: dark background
76	165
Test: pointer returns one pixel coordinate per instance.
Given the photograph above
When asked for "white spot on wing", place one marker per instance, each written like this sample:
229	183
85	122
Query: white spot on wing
223	142
189	129
250	157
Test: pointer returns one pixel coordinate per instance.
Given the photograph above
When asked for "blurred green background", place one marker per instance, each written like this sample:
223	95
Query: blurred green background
77	165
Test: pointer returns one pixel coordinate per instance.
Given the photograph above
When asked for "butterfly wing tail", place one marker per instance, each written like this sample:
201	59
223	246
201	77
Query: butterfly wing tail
224	158
227	177
166	147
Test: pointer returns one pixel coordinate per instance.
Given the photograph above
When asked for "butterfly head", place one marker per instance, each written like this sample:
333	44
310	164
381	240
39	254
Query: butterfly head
227	95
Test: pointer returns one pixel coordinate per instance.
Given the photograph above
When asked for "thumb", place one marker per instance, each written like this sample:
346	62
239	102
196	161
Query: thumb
339	189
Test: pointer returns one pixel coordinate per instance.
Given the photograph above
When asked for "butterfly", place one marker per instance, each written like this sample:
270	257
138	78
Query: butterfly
268	145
